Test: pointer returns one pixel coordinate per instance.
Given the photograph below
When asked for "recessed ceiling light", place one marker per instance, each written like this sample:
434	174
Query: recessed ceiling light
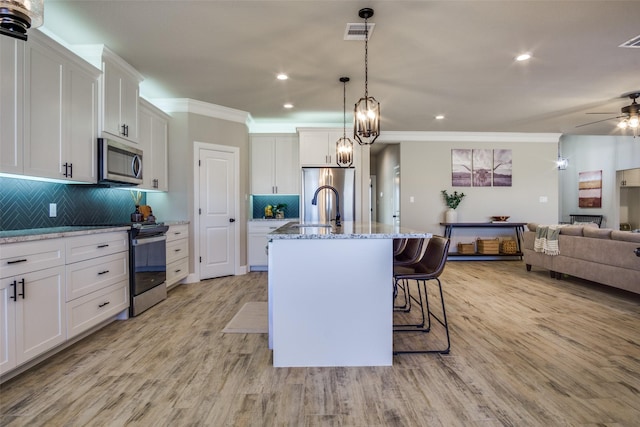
439	117
282	76
288	105
523	57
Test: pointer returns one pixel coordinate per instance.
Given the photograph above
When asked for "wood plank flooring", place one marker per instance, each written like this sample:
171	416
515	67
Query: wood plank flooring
527	350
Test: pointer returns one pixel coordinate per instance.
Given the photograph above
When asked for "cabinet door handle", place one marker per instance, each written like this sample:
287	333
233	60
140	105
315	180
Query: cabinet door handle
124	130
14	296
103	246
103	272
70	170
16	261
66	169
22	283
103	304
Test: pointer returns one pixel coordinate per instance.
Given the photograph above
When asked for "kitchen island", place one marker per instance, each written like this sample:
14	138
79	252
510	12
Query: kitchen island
330	294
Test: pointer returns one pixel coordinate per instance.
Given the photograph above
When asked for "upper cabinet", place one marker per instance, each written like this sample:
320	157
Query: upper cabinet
274	164
119	91
56	135
318	147
630	178
153	140
11	102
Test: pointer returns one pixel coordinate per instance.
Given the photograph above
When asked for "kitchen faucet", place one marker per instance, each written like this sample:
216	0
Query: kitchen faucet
314	201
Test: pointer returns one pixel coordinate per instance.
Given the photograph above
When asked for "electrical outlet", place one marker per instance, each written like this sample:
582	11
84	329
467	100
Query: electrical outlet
411	199
544	199
53	210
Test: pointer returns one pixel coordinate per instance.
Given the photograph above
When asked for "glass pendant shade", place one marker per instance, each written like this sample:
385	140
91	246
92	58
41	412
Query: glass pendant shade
344	152
17	16
366	125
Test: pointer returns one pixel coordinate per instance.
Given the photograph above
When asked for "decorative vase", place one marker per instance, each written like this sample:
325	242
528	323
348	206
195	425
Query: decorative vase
451	216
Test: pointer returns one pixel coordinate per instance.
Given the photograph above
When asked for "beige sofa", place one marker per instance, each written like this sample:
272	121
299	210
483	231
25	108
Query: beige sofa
598	254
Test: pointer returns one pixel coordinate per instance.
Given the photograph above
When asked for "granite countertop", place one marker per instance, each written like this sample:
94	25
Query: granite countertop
348	230
176	222
32	234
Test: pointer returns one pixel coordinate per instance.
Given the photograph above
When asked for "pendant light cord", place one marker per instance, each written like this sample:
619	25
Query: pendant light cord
344	110
366	60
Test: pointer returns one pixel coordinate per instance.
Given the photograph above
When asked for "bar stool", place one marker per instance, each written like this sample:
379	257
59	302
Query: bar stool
429	268
398	246
409	255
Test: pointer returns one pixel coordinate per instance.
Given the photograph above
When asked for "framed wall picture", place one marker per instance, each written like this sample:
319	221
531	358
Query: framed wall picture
590	189
482	161
502	168
460	168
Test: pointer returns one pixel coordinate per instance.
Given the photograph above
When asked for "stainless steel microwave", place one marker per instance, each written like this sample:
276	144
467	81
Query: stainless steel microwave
119	163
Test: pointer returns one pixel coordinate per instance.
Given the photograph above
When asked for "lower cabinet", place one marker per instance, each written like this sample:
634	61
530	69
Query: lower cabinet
257	240
44	302
31	316
177	253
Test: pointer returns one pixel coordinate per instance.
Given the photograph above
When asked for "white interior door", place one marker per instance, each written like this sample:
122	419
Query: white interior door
396	196
217	212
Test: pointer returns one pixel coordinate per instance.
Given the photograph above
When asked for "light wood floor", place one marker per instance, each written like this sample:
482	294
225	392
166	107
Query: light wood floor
527	350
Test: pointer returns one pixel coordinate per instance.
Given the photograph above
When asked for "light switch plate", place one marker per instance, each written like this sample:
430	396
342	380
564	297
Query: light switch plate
53	210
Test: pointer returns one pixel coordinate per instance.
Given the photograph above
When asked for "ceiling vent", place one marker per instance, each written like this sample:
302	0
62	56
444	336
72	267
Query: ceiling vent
356	31
634	42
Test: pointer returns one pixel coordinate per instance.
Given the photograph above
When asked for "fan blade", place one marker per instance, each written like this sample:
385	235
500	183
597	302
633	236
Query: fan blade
599	121
601	113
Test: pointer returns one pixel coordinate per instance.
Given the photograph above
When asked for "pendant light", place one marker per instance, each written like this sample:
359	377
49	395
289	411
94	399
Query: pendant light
366	119
17	16
344	146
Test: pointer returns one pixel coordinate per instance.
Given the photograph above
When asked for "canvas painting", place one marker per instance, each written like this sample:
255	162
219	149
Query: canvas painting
482	167
502	168
460	168
590	189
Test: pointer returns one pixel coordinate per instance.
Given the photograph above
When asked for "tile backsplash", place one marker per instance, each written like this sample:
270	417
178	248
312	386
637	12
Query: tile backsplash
25	204
260	201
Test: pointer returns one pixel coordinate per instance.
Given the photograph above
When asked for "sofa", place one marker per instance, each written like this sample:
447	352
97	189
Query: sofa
600	255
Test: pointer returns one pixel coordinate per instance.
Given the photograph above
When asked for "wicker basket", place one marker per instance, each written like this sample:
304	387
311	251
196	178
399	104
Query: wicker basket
466	248
508	246
489	246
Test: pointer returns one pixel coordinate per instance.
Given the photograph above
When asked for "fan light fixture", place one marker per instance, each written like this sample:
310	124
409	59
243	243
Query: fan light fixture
366	115
632	113
17	16
344	146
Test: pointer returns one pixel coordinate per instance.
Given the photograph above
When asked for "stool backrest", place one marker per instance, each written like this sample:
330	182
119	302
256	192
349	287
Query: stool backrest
435	257
411	252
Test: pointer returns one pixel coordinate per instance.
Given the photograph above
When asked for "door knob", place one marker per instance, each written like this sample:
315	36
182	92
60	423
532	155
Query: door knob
232	220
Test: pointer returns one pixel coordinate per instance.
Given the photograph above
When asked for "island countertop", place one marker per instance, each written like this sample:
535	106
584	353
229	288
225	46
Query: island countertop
348	230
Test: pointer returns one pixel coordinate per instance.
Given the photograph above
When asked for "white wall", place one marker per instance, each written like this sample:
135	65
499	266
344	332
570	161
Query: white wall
386	160
426	171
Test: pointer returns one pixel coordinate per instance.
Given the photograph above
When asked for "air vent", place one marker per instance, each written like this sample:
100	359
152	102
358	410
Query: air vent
634	42
356	31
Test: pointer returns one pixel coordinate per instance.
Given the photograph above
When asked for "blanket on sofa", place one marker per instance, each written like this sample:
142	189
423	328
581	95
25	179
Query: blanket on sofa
547	239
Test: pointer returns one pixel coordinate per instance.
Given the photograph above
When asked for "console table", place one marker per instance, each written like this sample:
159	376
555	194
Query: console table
518	227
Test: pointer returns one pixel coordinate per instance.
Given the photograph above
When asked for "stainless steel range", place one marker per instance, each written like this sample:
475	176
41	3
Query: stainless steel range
147	266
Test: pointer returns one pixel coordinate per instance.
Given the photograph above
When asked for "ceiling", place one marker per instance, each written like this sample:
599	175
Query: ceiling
425	58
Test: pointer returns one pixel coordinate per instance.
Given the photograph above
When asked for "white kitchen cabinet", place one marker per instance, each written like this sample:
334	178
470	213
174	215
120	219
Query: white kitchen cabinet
153	140
274	164
630	178
119	88
177	253
97	279
11	102
56	137
257	241
318	147
120	97
32	301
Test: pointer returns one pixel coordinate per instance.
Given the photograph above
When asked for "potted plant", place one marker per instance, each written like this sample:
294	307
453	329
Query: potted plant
452	201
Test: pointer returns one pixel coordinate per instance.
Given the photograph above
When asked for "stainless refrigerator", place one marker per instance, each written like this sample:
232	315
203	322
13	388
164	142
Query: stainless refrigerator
342	179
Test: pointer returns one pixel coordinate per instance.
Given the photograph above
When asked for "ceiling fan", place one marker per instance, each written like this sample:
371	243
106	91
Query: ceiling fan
630	114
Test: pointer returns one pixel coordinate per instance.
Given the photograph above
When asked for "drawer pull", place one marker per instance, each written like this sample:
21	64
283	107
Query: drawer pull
103	272
103	304
16	261
177	271
177	250
103	246
177	232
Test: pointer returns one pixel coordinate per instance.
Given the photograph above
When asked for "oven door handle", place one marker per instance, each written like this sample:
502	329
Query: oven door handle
147	240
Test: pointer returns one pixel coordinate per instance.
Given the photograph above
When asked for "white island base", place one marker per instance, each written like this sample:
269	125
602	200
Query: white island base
330	302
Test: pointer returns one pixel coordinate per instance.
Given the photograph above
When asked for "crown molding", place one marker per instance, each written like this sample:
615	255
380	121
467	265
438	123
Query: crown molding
187	105
401	136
